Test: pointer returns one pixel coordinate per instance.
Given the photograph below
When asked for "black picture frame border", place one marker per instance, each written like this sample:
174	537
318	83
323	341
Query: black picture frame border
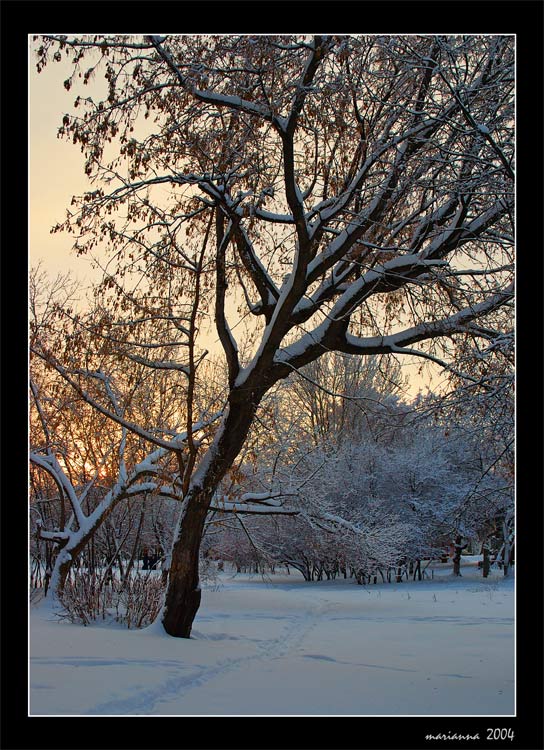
23	17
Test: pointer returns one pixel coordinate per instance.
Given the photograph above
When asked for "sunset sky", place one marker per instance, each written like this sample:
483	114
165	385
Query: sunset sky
55	171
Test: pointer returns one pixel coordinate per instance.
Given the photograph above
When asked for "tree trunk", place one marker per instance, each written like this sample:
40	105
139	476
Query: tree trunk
486	563
61	569
459	547
68	555
506	558
183	594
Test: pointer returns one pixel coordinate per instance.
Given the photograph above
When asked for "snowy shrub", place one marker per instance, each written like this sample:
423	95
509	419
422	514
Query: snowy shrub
139	601
134	602
209	574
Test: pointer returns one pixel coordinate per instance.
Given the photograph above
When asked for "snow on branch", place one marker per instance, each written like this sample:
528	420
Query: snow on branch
50	464
255	502
253	509
158	365
65	373
128	484
457	323
212	97
395	273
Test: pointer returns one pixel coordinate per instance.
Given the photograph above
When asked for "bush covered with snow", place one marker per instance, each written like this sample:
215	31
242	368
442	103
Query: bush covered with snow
134	602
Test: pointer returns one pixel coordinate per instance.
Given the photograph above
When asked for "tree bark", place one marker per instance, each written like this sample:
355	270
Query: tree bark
486	564
183	593
506	558
459	547
61	570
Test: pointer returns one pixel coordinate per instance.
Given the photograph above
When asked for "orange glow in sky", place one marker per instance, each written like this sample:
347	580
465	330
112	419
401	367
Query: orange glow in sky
55	171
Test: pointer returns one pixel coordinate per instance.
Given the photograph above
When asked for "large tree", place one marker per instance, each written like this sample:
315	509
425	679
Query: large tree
349	194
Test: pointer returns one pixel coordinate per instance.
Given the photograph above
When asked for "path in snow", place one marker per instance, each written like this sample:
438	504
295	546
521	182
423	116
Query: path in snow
176	688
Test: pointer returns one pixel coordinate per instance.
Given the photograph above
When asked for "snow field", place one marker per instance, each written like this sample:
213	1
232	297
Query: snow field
282	646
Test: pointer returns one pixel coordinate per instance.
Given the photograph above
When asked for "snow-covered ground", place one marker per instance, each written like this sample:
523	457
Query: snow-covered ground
282	646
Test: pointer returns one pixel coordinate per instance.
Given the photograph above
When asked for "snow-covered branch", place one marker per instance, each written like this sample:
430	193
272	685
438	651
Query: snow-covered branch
211	97
66	373
457	323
